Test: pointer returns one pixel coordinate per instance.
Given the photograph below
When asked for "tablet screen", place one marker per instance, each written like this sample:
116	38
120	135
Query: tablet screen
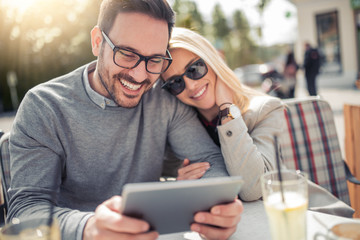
169	207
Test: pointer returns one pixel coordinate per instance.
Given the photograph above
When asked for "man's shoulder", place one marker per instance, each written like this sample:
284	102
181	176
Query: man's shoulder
57	91
157	92
71	80
161	101
161	97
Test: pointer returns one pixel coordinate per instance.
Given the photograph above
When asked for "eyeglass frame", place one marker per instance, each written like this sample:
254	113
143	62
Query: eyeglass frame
166	83
141	57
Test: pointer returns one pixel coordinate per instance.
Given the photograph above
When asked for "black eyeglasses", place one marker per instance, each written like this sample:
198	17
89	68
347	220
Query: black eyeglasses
176	84
128	59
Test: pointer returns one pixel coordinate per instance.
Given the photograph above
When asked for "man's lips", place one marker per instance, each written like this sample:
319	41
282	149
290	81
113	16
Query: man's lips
129	83
130	86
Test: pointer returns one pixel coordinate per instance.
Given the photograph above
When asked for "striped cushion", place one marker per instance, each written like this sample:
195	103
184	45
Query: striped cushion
311	144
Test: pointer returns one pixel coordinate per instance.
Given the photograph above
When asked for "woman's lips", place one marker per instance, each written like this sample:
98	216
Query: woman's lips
200	92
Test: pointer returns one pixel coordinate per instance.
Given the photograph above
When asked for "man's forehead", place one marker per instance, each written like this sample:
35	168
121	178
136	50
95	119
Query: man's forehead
140	32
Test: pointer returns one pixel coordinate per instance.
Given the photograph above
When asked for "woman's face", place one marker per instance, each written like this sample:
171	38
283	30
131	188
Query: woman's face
197	93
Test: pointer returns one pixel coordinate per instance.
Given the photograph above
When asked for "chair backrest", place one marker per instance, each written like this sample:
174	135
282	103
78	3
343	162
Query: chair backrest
5	167
311	144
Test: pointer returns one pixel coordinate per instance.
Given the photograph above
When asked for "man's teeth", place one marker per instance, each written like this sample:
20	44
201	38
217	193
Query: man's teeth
200	93
130	86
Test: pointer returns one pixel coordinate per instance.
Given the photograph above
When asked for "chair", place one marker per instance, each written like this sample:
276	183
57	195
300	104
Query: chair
352	150
310	144
5	169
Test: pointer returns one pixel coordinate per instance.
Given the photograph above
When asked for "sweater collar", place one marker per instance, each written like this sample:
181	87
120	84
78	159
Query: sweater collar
97	98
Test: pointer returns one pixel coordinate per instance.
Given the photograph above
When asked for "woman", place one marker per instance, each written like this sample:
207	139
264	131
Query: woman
248	119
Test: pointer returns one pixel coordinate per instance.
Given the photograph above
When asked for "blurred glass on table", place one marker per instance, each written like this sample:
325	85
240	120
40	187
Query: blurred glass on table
286	202
31	229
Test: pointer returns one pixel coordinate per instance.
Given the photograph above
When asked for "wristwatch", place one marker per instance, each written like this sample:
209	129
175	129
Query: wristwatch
232	111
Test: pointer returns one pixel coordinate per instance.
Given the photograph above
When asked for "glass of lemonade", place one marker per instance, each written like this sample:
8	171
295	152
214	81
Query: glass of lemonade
31	229
286	204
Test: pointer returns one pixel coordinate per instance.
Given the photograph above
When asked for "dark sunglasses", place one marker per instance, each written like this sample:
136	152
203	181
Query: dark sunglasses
176	84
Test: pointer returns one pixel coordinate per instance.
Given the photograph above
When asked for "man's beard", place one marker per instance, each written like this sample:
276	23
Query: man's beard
123	99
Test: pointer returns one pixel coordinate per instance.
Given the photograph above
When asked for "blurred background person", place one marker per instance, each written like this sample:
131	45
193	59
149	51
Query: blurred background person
290	70
311	67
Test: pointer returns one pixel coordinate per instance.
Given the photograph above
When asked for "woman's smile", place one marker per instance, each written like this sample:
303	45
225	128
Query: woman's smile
200	93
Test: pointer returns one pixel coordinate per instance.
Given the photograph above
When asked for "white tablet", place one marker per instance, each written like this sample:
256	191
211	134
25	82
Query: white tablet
169	207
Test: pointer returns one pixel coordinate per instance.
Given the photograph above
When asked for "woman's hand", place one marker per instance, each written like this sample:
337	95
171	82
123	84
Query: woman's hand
223	93
192	171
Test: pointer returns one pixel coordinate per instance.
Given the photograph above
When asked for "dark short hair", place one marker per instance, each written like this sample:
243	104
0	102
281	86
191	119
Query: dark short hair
158	9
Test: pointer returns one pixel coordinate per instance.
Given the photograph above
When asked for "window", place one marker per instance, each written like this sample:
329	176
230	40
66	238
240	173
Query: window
329	42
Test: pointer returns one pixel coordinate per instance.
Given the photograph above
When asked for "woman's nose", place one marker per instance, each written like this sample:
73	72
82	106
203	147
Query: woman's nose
189	83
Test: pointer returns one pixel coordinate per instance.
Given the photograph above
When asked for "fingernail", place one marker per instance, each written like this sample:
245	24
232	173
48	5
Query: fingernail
199	218
195	228
145	227
216	210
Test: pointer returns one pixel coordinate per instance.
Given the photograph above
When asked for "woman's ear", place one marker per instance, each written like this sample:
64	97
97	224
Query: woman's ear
96	40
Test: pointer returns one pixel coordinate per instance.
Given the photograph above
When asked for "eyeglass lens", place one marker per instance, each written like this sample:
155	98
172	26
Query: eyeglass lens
129	59
195	71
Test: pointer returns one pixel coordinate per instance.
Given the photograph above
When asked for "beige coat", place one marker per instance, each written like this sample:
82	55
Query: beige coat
247	143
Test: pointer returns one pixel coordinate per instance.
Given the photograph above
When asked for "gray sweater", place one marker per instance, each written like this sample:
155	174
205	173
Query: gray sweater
73	148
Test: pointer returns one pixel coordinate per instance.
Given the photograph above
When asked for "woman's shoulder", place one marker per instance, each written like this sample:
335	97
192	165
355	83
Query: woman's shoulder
263	108
258	103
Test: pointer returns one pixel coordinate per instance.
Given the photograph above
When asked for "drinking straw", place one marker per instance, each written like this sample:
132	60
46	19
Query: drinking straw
279	168
50	220
51	213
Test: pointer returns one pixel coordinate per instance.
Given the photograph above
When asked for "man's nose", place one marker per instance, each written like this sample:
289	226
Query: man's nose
139	72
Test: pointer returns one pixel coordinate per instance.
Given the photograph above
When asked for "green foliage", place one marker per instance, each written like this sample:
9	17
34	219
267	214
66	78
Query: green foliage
221	29
188	15
262	5
232	39
244	47
233	42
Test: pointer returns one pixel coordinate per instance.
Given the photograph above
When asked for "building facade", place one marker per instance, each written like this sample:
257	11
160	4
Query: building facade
333	26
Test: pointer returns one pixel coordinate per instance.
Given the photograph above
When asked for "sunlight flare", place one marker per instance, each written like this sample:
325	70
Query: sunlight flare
21	5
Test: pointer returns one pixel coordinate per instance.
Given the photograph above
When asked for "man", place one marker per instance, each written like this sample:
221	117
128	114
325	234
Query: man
79	138
311	66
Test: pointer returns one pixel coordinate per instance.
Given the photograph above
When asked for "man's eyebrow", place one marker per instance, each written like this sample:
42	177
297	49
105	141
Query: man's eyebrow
136	51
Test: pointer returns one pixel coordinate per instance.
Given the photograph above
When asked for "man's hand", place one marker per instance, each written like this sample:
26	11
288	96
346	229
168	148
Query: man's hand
108	223
192	171
223	218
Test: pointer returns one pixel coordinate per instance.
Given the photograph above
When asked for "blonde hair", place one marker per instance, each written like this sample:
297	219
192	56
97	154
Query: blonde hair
191	41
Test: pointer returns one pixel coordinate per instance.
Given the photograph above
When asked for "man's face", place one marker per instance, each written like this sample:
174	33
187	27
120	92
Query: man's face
141	34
